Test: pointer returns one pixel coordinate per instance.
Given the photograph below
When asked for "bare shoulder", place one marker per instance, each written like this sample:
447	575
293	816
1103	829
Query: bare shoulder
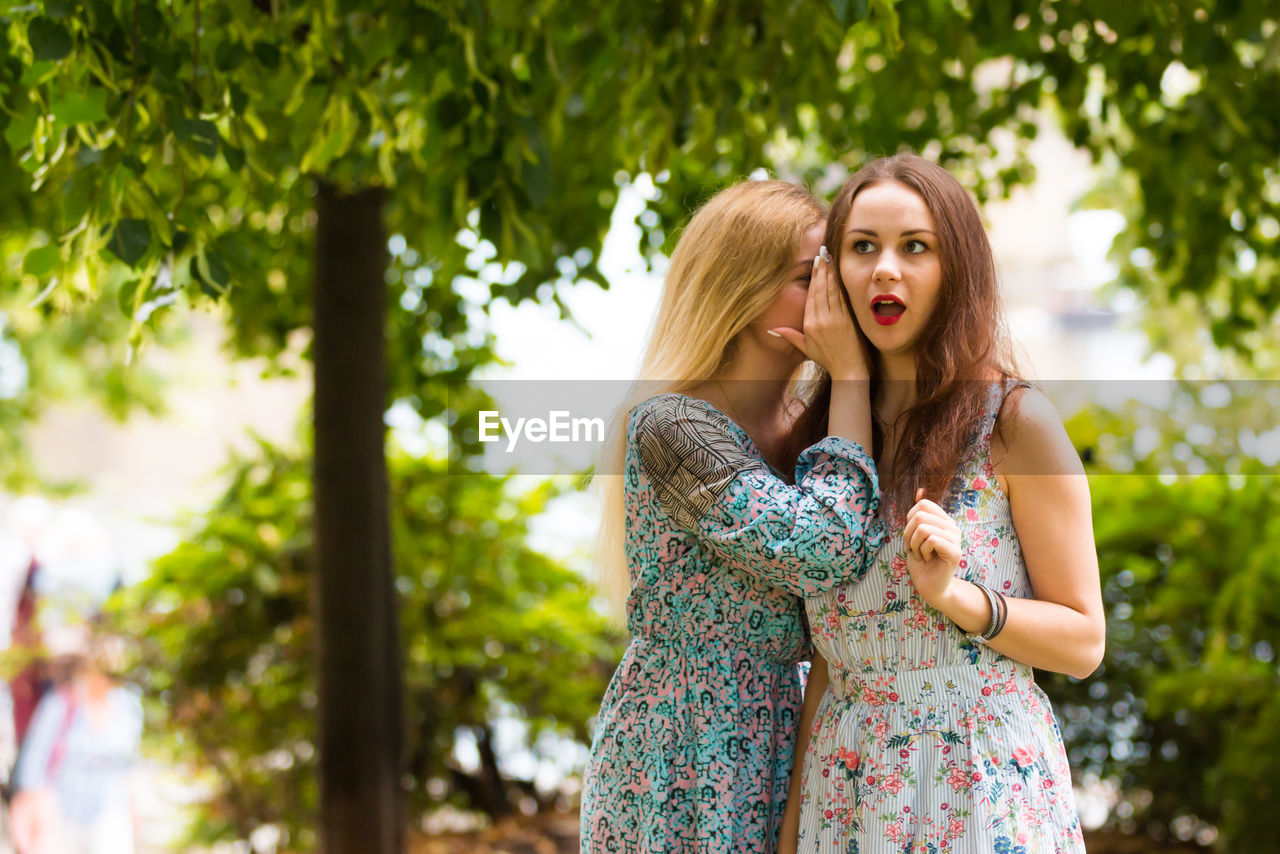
1027	411
1030	438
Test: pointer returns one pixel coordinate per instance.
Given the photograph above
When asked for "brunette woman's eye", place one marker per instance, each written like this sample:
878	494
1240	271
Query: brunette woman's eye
915	247
862	247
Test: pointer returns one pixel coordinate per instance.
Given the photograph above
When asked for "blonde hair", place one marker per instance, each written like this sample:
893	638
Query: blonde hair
729	265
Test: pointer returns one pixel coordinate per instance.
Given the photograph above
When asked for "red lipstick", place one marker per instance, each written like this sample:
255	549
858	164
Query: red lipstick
887	309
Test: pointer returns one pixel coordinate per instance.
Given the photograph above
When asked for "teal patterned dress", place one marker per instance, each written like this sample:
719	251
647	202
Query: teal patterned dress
693	744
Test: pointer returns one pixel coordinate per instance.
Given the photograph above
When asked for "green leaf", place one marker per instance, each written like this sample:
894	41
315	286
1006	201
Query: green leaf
217	268
229	55
267	53
202	135
127	298
40	71
41	261
892	24
78	108
59	8
234	157
210	272
239	99
536	172
18	133
49	41
129	240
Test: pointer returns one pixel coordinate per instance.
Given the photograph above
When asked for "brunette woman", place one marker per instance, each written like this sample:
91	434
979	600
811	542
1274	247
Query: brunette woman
923	728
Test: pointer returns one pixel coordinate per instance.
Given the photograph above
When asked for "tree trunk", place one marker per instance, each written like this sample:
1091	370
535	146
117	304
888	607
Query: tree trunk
359	667
497	804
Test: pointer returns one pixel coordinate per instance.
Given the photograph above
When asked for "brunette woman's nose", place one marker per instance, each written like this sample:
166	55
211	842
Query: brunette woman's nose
886	270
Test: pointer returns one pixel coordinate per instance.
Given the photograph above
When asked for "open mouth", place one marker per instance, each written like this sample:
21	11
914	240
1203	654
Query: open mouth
887	309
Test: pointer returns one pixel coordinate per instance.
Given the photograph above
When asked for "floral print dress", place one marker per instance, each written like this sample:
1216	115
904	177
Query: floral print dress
924	741
693	744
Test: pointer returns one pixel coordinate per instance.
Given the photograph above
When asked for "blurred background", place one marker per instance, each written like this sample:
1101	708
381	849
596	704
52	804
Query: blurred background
533	164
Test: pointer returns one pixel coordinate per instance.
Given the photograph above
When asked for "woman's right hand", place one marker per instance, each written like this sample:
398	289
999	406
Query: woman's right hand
830	335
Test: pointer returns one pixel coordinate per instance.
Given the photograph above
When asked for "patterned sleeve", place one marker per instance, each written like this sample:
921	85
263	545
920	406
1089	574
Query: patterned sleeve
805	538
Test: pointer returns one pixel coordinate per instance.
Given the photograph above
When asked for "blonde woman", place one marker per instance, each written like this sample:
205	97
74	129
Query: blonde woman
715	528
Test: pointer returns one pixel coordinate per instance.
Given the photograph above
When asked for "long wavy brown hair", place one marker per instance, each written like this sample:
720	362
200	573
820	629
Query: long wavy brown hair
969	345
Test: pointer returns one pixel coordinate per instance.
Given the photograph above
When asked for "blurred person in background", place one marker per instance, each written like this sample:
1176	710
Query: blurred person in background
23	677
20	568
29	683
72	781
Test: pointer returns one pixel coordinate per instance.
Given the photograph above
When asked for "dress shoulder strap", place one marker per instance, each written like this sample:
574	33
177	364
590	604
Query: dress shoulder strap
995	405
976	467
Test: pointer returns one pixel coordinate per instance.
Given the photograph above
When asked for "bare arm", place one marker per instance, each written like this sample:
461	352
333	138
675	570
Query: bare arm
850	414
1063	628
814	690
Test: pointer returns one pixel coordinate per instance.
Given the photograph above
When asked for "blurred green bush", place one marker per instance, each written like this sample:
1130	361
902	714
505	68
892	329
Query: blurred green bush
490	629
1185	710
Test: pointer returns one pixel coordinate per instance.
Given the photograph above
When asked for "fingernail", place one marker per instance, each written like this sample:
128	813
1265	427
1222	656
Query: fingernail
824	254
774	334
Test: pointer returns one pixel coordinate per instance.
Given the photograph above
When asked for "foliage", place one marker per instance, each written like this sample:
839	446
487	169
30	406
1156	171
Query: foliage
157	154
1180	427
50	356
491	628
514	121
507	119
1183	711
1175	94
